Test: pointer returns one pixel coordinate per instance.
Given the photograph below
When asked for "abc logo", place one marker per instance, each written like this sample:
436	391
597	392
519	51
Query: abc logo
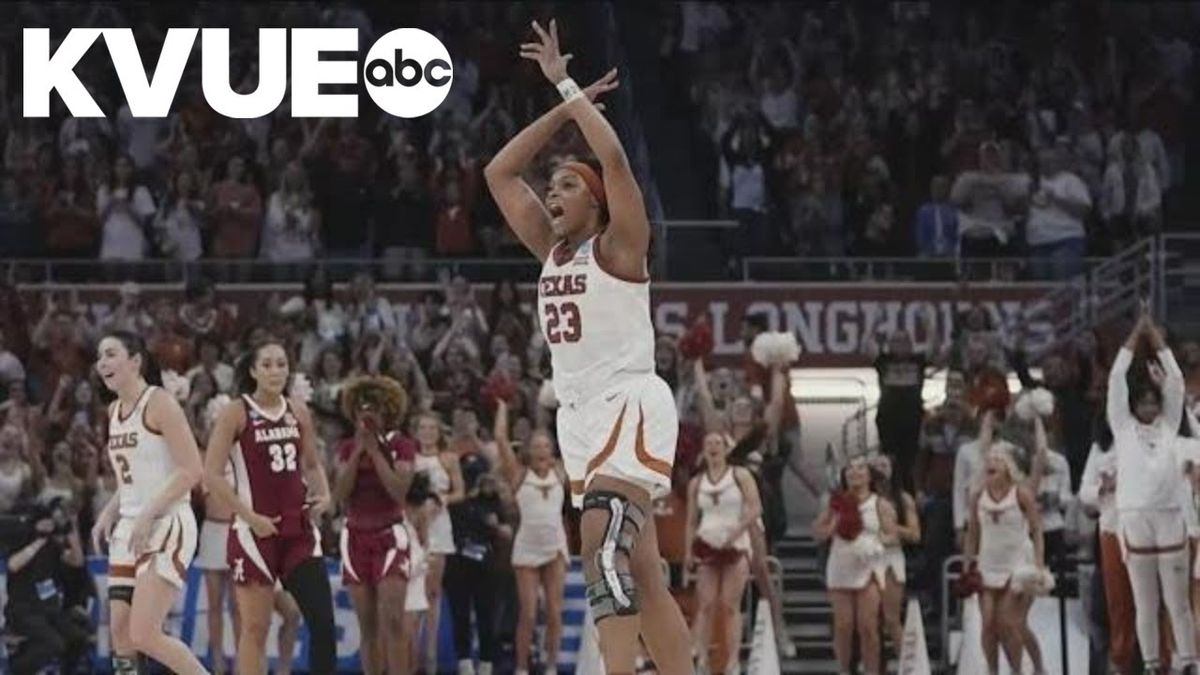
408	72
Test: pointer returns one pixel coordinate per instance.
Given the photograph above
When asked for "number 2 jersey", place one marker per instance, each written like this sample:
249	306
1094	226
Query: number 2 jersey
266	467
139	455
596	324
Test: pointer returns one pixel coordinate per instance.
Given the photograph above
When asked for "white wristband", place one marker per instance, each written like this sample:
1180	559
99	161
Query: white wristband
569	89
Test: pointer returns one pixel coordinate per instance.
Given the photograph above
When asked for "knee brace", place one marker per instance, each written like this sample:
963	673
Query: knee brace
125	665
610	587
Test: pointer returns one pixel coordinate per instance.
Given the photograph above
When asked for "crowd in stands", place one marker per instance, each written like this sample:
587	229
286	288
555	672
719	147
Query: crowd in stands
941	130
931	130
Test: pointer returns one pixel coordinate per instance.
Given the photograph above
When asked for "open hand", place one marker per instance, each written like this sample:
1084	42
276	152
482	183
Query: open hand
547	53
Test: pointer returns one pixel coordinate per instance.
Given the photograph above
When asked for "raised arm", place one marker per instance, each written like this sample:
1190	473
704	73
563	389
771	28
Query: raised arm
1117	404
773	415
708	408
626	240
520	205
510	468
1168	376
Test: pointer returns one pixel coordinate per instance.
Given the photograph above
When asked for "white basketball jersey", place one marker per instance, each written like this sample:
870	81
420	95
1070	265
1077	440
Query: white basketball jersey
597	326
140	457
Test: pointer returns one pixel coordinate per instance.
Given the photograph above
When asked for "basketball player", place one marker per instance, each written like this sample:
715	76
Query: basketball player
1150	491
156	462
617	423
539	554
723	506
271	442
213	560
373	476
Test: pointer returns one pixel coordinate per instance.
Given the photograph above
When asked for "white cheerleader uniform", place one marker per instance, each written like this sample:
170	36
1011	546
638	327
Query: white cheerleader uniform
142	464
441	532
1004	543
541	537
853	564
418	564
720	504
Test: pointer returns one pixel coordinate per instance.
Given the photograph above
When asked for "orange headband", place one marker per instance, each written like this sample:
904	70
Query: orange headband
593	182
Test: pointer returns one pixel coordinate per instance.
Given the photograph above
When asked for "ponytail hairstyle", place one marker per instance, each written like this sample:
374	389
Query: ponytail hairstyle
242	379
135	345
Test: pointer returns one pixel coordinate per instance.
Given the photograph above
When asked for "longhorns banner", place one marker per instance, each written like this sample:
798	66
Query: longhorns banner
829	320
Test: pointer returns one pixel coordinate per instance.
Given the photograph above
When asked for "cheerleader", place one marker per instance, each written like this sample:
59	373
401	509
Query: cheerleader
1152	491
723	506
860	526
908	532
539	555
1004	543
444	474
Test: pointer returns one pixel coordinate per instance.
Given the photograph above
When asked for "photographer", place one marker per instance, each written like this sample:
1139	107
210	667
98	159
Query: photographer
41	556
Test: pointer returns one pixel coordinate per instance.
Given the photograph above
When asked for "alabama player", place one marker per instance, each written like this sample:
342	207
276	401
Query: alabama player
280	490
373	475
617	423
148	523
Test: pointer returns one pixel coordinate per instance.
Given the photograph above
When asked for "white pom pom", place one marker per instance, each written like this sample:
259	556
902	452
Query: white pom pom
772	349
301	389
1030	579
214	407
867	549
1023	408
546	396
292	307
1043	402
178	386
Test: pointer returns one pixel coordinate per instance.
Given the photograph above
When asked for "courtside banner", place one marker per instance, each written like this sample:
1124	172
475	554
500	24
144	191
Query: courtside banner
828	320
189	620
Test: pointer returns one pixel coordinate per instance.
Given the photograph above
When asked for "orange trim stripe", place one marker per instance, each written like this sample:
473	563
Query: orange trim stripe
122	571
639	449
578	486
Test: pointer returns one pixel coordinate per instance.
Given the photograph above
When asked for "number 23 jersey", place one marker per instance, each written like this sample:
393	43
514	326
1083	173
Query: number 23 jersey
596	324
266	467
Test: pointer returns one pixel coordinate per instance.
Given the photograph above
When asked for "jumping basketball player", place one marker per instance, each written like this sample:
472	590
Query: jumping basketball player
617	423
280	490
156	462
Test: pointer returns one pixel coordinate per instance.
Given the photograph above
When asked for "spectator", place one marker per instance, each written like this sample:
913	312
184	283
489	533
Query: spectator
124	208
987	200
507	317
208	353
18	475
744	149
69	215
292	228
237	210
454	231
130	313
936	225
1131	200
1058	206
18	224
201	315
368	311
180	223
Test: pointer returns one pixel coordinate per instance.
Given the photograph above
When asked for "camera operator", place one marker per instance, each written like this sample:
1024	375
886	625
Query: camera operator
40	557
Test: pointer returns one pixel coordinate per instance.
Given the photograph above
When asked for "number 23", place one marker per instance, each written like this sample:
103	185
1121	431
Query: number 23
568	313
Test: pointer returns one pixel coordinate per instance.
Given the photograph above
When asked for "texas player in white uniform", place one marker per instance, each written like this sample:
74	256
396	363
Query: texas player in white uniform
148	523
617	423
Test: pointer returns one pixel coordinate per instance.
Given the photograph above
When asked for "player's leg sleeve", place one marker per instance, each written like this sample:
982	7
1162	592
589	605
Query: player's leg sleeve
309	584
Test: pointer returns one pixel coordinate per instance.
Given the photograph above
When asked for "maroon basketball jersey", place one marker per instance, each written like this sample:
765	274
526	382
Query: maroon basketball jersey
266	465
371	507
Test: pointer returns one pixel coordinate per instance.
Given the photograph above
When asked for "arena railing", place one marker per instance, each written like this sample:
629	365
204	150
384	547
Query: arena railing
1179	281
912	269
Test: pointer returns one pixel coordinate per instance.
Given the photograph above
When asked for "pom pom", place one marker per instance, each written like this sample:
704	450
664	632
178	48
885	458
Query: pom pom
292	307
176	385
775	349
1034	402
499	387
697	342
849	519
970	582
989	391
547	397
301	389
867	549
1033	580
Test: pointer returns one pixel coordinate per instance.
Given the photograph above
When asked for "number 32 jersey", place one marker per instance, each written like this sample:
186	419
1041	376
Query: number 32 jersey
266	466
596	324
